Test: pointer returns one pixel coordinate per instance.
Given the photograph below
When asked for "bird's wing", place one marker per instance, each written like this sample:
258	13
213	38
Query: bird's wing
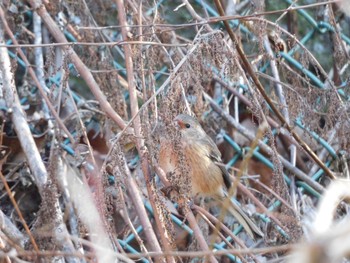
215	156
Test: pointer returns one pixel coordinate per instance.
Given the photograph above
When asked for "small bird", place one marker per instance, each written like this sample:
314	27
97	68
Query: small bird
208	173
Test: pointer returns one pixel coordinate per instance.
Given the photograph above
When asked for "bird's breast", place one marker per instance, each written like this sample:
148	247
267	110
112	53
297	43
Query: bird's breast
206	176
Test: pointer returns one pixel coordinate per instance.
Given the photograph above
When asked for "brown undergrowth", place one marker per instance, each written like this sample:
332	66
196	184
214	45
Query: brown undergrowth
80	174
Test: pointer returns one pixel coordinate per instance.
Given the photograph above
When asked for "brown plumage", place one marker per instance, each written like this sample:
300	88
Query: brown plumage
209	176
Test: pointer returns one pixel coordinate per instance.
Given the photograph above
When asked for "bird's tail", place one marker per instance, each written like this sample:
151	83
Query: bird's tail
243	219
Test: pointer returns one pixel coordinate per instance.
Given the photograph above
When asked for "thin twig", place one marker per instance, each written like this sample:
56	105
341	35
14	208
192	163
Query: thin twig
91	44
39	63
249	69
302	176
18	118
190	217
220	235
11	231
271	121
198	233
256	201
134	193
128	221
222	225
140	144
34	77
19	213
127	257
39	7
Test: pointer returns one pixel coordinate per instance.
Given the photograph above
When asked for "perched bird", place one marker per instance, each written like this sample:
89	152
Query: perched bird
208	173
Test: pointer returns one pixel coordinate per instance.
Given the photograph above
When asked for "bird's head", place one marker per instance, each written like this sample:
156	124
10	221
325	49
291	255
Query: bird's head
189	126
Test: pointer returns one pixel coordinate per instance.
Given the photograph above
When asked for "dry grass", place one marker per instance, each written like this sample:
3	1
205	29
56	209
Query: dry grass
82	123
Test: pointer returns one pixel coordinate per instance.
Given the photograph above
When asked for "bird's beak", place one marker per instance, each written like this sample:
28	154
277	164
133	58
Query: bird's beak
178	123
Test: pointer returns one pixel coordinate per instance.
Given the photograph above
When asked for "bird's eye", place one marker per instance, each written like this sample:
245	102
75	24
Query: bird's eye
187	125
